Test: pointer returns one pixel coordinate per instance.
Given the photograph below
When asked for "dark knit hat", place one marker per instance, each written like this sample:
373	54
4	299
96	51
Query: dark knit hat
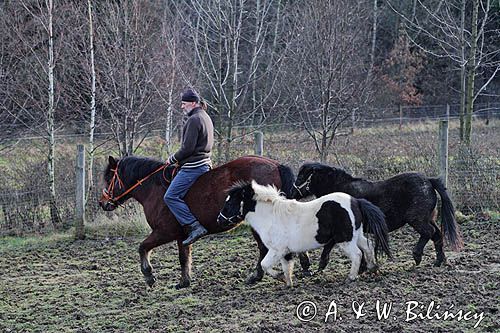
190	95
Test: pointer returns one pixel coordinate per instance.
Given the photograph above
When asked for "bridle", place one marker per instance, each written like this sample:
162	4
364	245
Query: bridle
306	184
108	194
237	218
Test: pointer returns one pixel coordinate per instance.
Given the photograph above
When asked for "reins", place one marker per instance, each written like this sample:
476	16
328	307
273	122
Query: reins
108	193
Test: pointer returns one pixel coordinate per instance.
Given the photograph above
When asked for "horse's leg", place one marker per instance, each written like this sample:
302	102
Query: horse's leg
305	263
287	265
325	255
437	238
368	253
152	241
426	231
185	261
257	275
352	250
269	261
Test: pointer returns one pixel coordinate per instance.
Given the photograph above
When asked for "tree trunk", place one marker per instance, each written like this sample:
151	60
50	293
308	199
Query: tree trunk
92	105
56	220
463	75
471	73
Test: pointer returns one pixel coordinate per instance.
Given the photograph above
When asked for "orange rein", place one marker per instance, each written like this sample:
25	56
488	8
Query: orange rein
108	193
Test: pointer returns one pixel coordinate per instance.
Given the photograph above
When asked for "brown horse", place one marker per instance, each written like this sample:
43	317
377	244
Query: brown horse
141	179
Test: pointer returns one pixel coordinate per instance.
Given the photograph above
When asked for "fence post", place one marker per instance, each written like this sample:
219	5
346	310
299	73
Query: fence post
259	143
400	117
80	193
443	147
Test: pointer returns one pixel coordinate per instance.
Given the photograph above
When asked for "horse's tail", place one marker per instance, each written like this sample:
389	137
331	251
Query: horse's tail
287	179
374	220
449	224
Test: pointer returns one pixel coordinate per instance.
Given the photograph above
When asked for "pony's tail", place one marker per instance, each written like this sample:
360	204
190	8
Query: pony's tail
287	180
449	224
374	220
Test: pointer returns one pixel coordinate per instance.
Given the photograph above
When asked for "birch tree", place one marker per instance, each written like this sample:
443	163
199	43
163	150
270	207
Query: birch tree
34	98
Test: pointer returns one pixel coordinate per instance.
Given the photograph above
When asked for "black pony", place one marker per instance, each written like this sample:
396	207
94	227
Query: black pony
405	198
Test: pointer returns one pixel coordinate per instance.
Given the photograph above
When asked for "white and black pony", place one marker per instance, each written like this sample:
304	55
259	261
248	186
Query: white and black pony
288	226
408	198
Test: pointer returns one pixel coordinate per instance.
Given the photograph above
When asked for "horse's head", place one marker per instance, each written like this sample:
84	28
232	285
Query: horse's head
239	202
114	186
312	180
132	177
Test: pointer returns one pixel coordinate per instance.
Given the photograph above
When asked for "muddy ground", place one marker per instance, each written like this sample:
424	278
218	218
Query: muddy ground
56	284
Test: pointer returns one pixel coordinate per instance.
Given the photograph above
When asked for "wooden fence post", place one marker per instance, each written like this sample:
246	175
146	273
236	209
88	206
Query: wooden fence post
443	147
80	193
400	117
259	143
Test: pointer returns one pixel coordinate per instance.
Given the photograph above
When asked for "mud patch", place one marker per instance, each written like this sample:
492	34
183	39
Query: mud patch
96	285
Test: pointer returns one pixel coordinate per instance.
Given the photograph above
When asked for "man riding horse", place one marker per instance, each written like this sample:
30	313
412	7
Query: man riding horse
193	158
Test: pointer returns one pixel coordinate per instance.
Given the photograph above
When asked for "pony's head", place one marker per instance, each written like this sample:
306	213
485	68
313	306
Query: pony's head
239	202
114	186
242	198
310	177
317	179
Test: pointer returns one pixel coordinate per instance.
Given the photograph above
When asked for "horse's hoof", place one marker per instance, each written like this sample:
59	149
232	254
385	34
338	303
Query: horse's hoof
417	258
351	280
372	270
307	273
280	277
439	262
253	279
150	280
182	284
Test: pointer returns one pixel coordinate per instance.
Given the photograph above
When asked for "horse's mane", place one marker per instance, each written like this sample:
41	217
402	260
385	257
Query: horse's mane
272	195
237	186
340	174
133	168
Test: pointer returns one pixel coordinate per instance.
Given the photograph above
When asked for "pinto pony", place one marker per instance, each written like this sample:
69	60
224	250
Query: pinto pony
408	198
288	226
141	179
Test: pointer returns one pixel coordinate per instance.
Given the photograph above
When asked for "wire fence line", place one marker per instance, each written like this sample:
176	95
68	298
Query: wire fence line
367	116
374	152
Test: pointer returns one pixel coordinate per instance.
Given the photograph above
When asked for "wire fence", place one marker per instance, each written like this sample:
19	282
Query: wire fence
375	150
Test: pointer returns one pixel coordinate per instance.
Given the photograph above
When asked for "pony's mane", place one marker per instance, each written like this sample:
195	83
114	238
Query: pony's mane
267	193
339	173
238	185
270	194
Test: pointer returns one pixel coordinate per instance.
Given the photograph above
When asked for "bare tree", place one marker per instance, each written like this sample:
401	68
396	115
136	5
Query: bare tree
32	99
229	39
127	36
92	110
327	66
459	30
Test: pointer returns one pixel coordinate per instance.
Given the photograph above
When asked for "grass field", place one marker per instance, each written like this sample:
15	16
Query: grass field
56	284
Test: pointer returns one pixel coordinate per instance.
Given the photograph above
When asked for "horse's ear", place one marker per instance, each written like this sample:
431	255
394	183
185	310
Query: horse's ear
112	162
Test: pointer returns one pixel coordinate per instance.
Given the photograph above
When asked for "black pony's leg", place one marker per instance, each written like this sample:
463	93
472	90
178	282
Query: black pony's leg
152	241
325	256
437	238
258	274
426	231
185	260
305	263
